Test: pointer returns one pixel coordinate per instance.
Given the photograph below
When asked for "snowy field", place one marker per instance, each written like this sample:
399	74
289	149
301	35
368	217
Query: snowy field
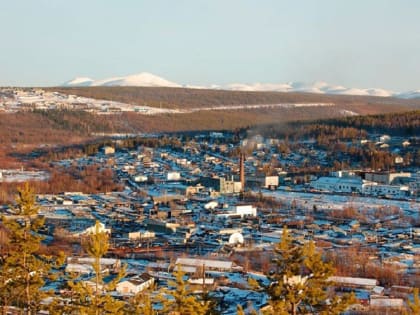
22	176
338	202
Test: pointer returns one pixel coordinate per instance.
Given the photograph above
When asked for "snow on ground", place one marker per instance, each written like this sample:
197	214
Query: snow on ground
53	100
22	176
231	297
257	106
339	202
348	113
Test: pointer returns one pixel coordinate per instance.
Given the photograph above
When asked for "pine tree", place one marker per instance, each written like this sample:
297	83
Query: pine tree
24	269
250	310
414	306
239	310
91	297
179	300
142	303
298	285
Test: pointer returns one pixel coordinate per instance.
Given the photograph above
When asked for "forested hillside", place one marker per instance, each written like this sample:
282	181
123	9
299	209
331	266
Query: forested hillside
191	98
406	124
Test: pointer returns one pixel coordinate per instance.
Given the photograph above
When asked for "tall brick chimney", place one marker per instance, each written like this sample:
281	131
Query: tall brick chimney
242	170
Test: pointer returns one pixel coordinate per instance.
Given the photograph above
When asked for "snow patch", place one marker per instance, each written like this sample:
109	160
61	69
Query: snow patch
345	112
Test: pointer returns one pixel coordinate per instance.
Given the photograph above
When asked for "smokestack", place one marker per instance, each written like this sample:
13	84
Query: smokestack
242	170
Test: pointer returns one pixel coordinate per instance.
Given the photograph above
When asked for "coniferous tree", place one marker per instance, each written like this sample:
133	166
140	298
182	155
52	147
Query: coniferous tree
23	268
299	283
178	298
414	306
142	303
91	297
239	310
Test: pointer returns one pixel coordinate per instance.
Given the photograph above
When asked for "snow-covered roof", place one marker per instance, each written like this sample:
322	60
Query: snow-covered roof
219	264
200	281
354	281
383	302
79	268
90	260
186	269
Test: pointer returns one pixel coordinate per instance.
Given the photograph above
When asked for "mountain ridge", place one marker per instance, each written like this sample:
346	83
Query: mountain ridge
145	79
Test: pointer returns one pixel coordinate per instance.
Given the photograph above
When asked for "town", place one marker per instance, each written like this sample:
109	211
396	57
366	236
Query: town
216	205
210	157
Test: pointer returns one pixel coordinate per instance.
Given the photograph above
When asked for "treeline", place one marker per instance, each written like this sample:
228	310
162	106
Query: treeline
77	121
400	124
346	128
31	128
341	141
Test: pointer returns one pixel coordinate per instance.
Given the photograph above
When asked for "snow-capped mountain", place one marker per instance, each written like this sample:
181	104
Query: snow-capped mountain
409	94
316	87
79	81
140	79
319	87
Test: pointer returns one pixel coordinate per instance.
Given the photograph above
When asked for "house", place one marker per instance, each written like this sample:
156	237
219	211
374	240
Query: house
385	177
271	182
384	138
245	210
354	224
136	284
161	226
399	160
79	269
140	178
387	303
84	265
394	191
222	185
353	282
406	143
239	211
338	184
92	230
197	284
216	265
108	150
141	235
173	176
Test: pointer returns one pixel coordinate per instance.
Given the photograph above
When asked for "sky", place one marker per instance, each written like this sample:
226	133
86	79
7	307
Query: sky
355	43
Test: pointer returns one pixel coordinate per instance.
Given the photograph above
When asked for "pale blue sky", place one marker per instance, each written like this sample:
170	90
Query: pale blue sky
357	43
